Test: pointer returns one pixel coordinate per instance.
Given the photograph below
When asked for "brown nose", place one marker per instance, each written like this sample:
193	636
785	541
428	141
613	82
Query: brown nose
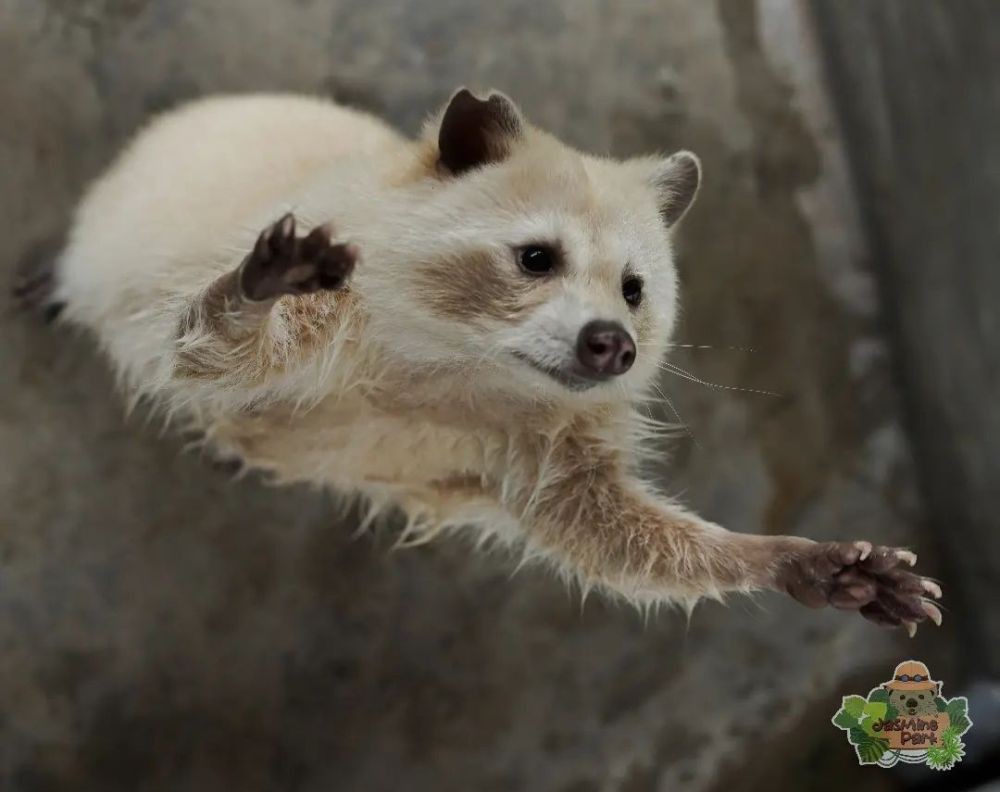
605	348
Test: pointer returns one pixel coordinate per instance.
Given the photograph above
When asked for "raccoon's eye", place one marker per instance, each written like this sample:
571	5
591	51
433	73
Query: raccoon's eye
632	290
537	260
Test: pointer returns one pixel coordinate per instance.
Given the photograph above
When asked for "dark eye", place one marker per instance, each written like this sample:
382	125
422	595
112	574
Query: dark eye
921	696
537	260
632	290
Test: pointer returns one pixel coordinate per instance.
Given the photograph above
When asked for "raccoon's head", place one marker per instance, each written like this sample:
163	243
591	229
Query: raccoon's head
546	270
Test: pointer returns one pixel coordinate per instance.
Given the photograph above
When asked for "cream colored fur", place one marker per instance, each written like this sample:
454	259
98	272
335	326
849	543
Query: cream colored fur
377	389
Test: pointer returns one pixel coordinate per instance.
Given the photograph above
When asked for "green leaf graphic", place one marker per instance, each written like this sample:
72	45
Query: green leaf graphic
869	749
944	755
844	720
873	712
881	696
958	717
854	705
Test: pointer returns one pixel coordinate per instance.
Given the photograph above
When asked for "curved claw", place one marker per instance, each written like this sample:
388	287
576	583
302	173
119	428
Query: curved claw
286	225
907	557
933	611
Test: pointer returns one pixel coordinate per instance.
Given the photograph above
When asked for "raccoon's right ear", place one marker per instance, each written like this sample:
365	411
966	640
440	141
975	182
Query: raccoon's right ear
676	180
476	132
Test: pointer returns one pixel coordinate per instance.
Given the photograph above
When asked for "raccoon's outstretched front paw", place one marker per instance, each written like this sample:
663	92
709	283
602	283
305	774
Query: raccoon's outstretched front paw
283	263
860	576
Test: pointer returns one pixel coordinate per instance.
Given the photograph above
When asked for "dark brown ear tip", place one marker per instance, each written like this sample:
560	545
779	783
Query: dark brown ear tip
476	132
463	97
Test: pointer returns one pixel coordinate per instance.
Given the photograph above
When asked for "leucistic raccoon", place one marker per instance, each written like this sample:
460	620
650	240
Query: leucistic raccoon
460	326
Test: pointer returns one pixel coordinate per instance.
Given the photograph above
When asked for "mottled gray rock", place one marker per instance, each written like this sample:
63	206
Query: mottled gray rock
162	627
919	87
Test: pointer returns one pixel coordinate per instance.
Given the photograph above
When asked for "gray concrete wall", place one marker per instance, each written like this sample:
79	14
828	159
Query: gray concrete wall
162	627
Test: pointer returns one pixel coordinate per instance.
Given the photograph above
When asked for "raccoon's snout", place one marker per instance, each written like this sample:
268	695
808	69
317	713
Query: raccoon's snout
605	348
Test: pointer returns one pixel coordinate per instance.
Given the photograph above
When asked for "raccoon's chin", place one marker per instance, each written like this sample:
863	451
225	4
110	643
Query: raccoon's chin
568	378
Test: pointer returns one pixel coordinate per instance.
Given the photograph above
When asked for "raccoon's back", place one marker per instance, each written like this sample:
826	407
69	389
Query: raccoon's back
192	188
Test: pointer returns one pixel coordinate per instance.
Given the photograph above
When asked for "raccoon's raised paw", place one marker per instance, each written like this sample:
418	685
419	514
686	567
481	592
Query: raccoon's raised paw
282	263
873	580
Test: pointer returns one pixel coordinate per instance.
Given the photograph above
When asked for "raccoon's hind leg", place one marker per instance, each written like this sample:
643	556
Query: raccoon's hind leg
240	328
34	278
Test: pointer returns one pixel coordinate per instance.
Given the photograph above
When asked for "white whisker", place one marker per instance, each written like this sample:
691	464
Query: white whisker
708	346
681	421
678	371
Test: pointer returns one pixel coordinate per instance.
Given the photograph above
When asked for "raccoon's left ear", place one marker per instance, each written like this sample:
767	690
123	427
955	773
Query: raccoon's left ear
676	180
476	132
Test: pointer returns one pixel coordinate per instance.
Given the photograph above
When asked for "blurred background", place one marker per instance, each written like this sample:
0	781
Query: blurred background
163	627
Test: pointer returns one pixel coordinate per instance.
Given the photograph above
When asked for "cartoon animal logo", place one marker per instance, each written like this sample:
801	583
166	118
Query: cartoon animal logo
906	720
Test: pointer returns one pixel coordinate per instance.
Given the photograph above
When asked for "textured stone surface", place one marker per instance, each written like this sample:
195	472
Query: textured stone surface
928	168
164	628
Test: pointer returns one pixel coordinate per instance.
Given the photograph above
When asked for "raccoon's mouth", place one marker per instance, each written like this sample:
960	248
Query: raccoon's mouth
567	378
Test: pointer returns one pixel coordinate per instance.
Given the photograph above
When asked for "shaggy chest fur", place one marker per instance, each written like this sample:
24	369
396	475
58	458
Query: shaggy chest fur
352	441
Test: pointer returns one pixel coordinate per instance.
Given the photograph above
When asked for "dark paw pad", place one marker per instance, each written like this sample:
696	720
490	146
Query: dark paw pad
283	263
875	581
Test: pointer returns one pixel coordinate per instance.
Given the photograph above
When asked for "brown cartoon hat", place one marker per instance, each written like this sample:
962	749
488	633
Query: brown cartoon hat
911	675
